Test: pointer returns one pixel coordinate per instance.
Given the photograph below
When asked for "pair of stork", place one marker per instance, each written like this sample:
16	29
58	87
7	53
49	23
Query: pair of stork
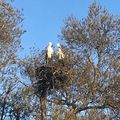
50	52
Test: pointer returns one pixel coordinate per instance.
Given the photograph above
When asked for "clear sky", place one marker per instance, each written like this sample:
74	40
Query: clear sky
45	18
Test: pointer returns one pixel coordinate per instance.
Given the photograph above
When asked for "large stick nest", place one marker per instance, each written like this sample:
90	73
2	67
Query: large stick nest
48	78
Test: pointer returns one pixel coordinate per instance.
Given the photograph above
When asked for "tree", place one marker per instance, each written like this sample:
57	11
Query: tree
47	79
10	33
96	40
10	39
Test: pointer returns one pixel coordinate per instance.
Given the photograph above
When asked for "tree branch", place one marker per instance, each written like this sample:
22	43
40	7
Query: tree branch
91	107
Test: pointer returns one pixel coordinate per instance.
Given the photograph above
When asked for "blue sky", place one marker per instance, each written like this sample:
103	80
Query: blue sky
45	18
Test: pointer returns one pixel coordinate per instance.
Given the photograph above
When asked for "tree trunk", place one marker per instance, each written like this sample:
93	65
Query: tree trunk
3	109
18	116
43	108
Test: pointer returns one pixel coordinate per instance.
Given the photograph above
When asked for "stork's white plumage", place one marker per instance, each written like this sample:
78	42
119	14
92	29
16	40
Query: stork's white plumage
60	54
49	52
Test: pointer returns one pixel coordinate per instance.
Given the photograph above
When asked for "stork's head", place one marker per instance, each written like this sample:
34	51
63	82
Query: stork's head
50	44
58	45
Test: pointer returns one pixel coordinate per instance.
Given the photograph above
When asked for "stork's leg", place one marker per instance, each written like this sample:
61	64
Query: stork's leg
49	61
46	58
61	62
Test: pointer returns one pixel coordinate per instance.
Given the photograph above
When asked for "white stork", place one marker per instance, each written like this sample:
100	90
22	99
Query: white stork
49	53
60	54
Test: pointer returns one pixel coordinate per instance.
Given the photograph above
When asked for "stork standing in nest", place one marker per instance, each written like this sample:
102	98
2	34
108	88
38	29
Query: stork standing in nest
49	53
60	54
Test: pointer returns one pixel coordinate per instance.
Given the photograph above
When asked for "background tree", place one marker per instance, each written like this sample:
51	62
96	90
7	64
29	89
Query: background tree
10	39
96	40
